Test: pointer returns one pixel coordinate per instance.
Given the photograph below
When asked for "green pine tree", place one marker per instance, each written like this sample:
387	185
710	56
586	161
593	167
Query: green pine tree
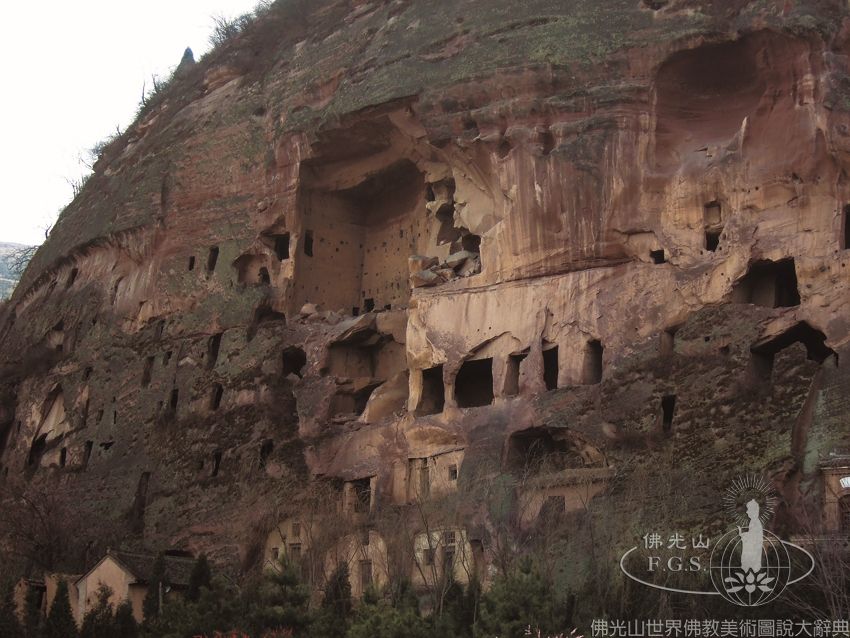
99	621
32	613
60	621
280	602
200	577
333	617
157	581
9	625
384	621
520	600
125	622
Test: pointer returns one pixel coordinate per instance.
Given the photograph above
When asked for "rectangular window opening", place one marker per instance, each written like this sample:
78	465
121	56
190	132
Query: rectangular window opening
550	368
593	362
308	243
212	259
433	396
474	383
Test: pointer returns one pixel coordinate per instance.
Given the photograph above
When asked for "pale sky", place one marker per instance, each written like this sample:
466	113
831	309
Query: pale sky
72	70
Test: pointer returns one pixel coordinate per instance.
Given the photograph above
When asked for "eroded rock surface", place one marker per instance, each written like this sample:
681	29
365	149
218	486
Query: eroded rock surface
396	248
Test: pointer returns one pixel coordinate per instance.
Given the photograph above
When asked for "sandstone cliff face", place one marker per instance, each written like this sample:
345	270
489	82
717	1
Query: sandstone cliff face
365	238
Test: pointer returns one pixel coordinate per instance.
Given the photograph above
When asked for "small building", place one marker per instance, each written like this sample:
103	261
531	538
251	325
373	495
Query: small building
127	574
835	471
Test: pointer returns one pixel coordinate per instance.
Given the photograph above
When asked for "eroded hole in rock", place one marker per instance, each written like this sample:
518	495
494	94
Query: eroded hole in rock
294	360
213	347
667	342
37	449
365	230
216	463
352	401
514	364
72	277
280	243
550	368
264	314
845	228
216	394
535	449
147	371
212	259
265	452
433	396
191	263
361	491
668	407
772	284
712	240
703	94
474	383
592	368
137	510
251	269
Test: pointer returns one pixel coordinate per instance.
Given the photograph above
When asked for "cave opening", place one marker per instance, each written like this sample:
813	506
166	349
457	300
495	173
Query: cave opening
592	368
265	451
474	383
657	256
87	450
308	243
213	347
281	246
63	457
845	227
37	449
215	396
433	396
362	492
265	278
147	371
772	284
192	263
550	368
762	353
369	228
712	240
294	360
668	407
514	364
212	259
535	449
173	400
216	463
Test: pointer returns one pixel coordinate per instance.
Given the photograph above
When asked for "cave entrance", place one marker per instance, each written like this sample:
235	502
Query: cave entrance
537	450
433	396
550	368
364	234
294	360
592	368
845	228
512	372
668	407
762	353
474	383
772	284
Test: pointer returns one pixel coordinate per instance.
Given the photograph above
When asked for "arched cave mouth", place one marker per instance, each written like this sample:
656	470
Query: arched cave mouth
704	94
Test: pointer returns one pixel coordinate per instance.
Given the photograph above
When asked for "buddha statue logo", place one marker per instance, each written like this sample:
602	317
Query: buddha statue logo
748	565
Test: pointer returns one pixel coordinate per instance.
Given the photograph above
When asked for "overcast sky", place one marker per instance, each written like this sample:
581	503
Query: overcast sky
72	70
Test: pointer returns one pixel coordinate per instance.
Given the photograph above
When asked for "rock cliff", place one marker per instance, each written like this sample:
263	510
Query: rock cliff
372	253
